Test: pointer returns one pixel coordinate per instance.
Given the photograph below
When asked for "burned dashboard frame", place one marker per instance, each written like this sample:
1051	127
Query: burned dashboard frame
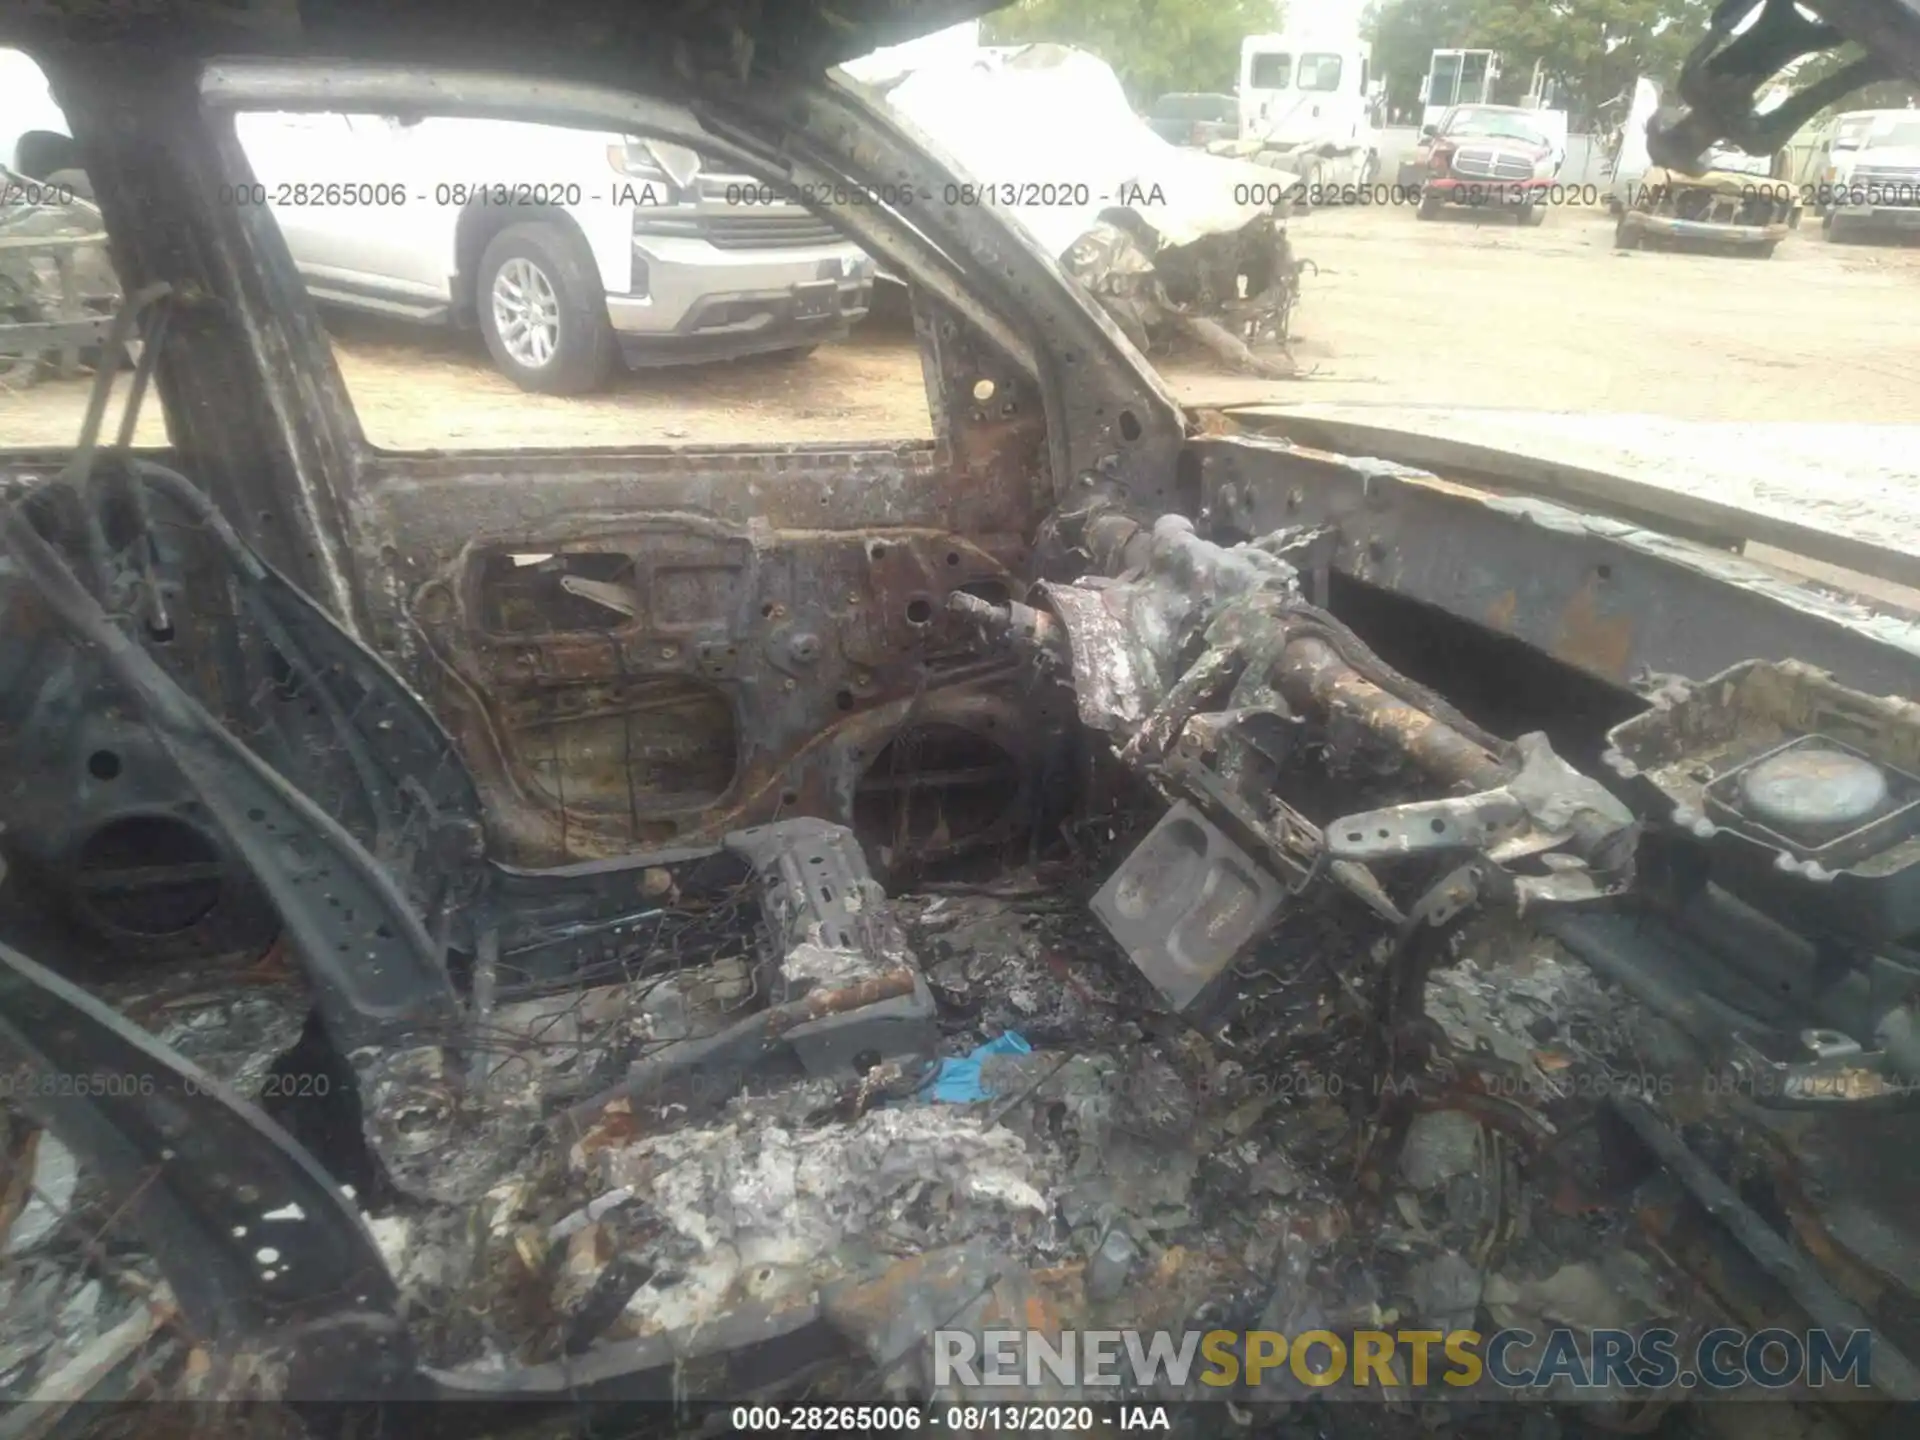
1611	599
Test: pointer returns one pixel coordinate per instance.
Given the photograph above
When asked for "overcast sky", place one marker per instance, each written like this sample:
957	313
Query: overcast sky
1329	13
1336	10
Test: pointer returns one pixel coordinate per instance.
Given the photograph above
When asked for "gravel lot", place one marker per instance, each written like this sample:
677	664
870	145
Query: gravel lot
1477	311
1466	311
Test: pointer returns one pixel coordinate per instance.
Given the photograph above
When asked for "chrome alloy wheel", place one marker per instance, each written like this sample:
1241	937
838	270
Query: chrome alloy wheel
526	312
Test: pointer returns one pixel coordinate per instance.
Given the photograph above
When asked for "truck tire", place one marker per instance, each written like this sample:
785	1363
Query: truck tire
1624	238
1533	214
1429	207
543	311
1839	229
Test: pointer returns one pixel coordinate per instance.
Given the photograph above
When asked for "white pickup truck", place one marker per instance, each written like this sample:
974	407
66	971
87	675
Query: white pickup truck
569	250
1870	179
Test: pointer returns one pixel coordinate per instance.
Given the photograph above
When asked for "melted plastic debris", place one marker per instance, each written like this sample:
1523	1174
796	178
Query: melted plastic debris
959	1081
1188	1176
238	1038
765	1198
809	964
51	1183
1043	968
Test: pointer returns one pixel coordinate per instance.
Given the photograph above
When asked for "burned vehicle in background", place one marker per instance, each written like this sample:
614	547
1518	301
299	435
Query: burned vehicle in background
1737	201
1180	246
691	923
1725	199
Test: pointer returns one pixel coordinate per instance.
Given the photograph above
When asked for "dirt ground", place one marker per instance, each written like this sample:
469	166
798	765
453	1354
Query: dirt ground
1476	311
1469	310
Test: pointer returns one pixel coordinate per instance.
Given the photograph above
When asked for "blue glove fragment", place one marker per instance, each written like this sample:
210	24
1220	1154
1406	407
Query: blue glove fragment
957	1081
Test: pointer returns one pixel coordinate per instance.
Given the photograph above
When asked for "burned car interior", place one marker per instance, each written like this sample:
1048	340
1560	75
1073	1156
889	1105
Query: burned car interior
686	923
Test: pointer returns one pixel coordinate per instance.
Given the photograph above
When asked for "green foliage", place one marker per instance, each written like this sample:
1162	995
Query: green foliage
1154	46
1595	49
1404	35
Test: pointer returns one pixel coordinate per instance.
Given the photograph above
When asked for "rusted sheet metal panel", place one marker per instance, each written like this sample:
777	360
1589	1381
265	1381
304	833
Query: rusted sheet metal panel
1595	634
1313	668
714	637
1608	597
669	679
1807	489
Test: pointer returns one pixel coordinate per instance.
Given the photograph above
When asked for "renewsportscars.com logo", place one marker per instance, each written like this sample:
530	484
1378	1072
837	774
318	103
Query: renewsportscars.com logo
1388	1359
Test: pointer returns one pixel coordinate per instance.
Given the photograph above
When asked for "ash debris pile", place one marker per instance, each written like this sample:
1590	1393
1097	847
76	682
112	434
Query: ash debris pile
1328	1010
